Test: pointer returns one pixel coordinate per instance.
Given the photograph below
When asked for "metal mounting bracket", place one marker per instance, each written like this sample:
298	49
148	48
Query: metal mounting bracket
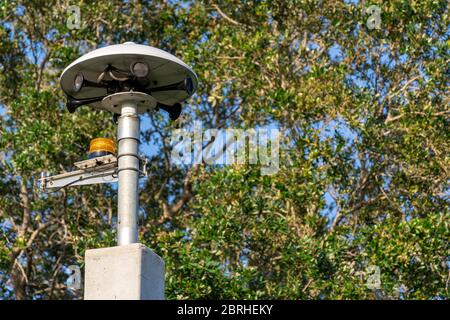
92	171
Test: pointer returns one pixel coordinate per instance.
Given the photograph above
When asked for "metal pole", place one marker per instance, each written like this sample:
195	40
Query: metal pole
128	172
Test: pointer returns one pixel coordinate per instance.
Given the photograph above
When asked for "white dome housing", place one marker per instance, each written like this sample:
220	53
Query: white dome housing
127	67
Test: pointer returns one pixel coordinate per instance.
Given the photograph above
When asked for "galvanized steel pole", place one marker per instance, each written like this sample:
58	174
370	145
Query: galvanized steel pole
128	171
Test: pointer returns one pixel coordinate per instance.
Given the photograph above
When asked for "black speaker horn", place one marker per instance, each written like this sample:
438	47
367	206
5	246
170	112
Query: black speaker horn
73	104
174	111
186	85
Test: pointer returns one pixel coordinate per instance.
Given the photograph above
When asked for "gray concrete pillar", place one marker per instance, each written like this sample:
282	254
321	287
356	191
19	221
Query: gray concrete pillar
128	272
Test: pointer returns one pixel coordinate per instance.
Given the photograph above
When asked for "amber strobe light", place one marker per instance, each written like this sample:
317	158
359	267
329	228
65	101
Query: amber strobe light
101	147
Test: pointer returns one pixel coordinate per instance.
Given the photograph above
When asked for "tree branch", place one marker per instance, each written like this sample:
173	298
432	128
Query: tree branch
225	16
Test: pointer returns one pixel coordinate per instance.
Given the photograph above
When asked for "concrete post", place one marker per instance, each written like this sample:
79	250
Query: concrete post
128	272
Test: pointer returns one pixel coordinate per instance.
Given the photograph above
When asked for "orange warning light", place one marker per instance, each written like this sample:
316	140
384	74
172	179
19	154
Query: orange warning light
101	147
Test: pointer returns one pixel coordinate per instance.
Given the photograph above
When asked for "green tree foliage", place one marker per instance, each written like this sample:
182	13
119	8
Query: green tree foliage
364	160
